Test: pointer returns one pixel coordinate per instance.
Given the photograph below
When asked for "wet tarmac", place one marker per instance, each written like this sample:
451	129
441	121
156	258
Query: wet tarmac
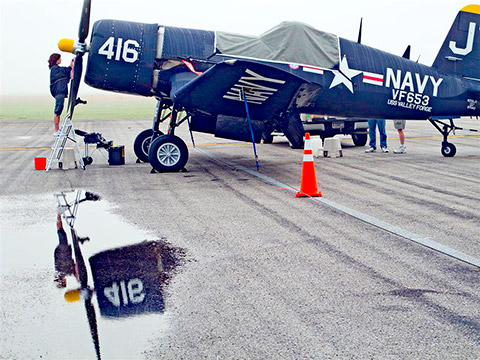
54	307
247	270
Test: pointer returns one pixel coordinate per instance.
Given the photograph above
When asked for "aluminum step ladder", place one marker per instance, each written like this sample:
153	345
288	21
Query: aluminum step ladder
66	132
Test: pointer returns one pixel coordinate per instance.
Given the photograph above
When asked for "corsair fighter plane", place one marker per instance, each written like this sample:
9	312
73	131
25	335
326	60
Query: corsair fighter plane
244	87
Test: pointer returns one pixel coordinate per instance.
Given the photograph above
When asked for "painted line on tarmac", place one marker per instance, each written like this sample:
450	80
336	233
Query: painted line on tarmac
29	148
396	230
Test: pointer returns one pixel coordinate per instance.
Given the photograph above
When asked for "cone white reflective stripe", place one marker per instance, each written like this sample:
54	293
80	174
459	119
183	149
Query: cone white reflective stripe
307	150
308	145
308	157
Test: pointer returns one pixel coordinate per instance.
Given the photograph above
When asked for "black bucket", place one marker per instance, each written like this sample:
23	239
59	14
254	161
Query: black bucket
116	155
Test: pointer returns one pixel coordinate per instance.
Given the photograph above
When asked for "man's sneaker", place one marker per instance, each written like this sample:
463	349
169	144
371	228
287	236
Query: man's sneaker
370	150
400	150
384	149
56	134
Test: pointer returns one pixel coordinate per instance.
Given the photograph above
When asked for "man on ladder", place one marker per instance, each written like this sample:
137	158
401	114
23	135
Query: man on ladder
59	79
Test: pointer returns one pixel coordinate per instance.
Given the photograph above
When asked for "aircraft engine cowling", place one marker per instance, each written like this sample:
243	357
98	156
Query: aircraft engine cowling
122	56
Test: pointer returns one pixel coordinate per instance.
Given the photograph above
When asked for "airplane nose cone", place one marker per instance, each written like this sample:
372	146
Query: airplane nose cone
66	45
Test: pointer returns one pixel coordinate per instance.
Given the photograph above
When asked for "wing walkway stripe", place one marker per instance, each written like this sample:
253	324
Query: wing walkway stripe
396	230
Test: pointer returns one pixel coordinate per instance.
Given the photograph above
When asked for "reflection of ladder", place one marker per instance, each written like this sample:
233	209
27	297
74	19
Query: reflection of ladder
68	212
66	132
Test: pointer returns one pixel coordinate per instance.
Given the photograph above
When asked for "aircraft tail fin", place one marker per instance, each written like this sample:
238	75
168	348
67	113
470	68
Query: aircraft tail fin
460	52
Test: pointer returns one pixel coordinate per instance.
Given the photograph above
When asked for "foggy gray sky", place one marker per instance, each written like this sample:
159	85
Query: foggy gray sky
30	29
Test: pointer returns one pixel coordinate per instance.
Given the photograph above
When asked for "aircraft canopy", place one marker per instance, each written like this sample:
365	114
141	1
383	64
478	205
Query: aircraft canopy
290	42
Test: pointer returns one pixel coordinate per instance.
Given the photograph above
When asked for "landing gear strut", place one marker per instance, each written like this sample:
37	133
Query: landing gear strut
144	139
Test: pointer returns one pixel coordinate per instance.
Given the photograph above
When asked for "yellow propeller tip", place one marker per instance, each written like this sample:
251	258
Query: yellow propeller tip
72	295
66	45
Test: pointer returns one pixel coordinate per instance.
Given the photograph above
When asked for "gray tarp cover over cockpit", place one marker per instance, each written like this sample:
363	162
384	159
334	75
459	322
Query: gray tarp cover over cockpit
289	42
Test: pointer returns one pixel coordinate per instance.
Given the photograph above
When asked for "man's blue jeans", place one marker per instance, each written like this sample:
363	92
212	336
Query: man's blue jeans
372	134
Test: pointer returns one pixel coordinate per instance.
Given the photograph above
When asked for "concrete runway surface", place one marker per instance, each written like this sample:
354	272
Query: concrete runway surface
265	275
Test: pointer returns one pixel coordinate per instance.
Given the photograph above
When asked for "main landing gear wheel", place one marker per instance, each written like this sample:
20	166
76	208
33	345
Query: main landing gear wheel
168	153
448	149
142	144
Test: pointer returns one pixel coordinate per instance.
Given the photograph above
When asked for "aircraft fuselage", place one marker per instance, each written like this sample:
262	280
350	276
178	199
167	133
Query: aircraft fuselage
366	82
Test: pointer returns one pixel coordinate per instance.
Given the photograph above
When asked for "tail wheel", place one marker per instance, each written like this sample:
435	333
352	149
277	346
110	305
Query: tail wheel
448	149
142	144
168	153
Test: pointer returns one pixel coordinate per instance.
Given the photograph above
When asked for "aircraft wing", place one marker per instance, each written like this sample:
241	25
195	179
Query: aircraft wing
268	90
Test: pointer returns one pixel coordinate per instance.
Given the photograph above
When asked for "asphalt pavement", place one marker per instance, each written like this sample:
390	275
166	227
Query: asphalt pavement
263	274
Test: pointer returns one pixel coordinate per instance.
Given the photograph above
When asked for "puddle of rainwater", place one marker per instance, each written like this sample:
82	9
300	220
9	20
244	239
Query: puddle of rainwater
36	321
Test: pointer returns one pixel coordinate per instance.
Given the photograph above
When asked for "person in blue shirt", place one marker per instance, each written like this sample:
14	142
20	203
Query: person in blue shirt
59	79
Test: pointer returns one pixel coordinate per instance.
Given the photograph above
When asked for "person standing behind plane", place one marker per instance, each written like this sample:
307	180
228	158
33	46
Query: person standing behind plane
400	125
372	134
59	78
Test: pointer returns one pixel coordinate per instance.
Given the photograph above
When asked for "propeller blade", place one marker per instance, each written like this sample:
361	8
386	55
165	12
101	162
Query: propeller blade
84	21
77	77
82	268
92	322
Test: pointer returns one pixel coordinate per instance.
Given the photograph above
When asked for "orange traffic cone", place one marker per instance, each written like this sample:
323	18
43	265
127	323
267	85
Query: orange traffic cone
308	184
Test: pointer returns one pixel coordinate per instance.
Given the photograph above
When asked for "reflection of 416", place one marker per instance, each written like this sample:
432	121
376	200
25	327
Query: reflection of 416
130	292
410	100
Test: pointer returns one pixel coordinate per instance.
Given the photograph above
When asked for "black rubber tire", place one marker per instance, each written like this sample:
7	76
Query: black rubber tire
359	139
168	153
267	138
448	150
292	128
142	143
87	160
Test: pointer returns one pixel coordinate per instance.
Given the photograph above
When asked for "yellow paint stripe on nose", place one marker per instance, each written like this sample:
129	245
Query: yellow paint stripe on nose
475	9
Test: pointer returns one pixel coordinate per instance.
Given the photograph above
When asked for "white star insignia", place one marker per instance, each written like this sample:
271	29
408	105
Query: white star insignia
344	75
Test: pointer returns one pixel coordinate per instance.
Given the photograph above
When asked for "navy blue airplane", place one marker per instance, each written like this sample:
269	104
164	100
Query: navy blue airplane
245	87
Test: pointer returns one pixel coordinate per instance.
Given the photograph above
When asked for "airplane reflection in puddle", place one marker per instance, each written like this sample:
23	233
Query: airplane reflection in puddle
127	280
